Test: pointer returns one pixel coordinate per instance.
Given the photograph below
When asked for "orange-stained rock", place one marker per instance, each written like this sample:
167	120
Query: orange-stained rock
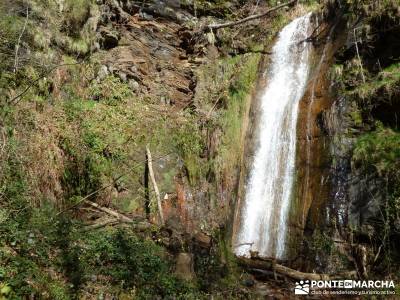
312	186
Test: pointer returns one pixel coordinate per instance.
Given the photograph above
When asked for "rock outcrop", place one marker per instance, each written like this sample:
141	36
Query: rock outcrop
147	53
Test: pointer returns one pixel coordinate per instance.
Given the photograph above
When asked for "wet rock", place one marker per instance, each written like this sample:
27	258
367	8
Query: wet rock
184	266
365	195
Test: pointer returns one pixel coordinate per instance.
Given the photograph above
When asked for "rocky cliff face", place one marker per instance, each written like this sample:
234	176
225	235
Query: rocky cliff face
147	50
352	200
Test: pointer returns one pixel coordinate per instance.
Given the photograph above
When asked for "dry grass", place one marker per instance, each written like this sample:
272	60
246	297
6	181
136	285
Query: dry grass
43	160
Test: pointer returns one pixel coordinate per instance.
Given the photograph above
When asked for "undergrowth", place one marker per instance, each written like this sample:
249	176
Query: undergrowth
47	255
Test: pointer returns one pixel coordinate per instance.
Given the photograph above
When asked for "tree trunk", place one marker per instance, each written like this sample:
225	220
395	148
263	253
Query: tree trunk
146	188
153	180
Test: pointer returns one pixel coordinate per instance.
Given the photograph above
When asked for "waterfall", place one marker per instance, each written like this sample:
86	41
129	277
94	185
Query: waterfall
263	223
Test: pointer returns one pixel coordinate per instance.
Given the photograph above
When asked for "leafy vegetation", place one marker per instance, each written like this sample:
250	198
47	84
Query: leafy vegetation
379	152
379	149
227	105
232	119
117	258
386	80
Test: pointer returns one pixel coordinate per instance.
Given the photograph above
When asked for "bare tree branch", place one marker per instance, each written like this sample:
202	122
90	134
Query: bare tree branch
111	212
40	77
358	55
19	41
3	141
249	18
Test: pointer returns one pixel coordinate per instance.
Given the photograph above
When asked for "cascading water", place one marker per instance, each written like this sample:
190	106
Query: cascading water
263	224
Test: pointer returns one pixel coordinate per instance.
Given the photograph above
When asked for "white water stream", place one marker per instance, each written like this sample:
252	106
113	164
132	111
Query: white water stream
263	224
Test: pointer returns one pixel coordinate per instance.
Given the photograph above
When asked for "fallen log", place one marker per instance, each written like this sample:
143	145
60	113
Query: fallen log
139	222
249	18
268	273
266	264
109	211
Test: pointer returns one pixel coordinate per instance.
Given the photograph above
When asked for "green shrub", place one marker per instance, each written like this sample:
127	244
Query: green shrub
189	144
380	150
75	14
232	118
387	80
378	153
28	252
132	262
110	90
86	166
47	255
77	46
